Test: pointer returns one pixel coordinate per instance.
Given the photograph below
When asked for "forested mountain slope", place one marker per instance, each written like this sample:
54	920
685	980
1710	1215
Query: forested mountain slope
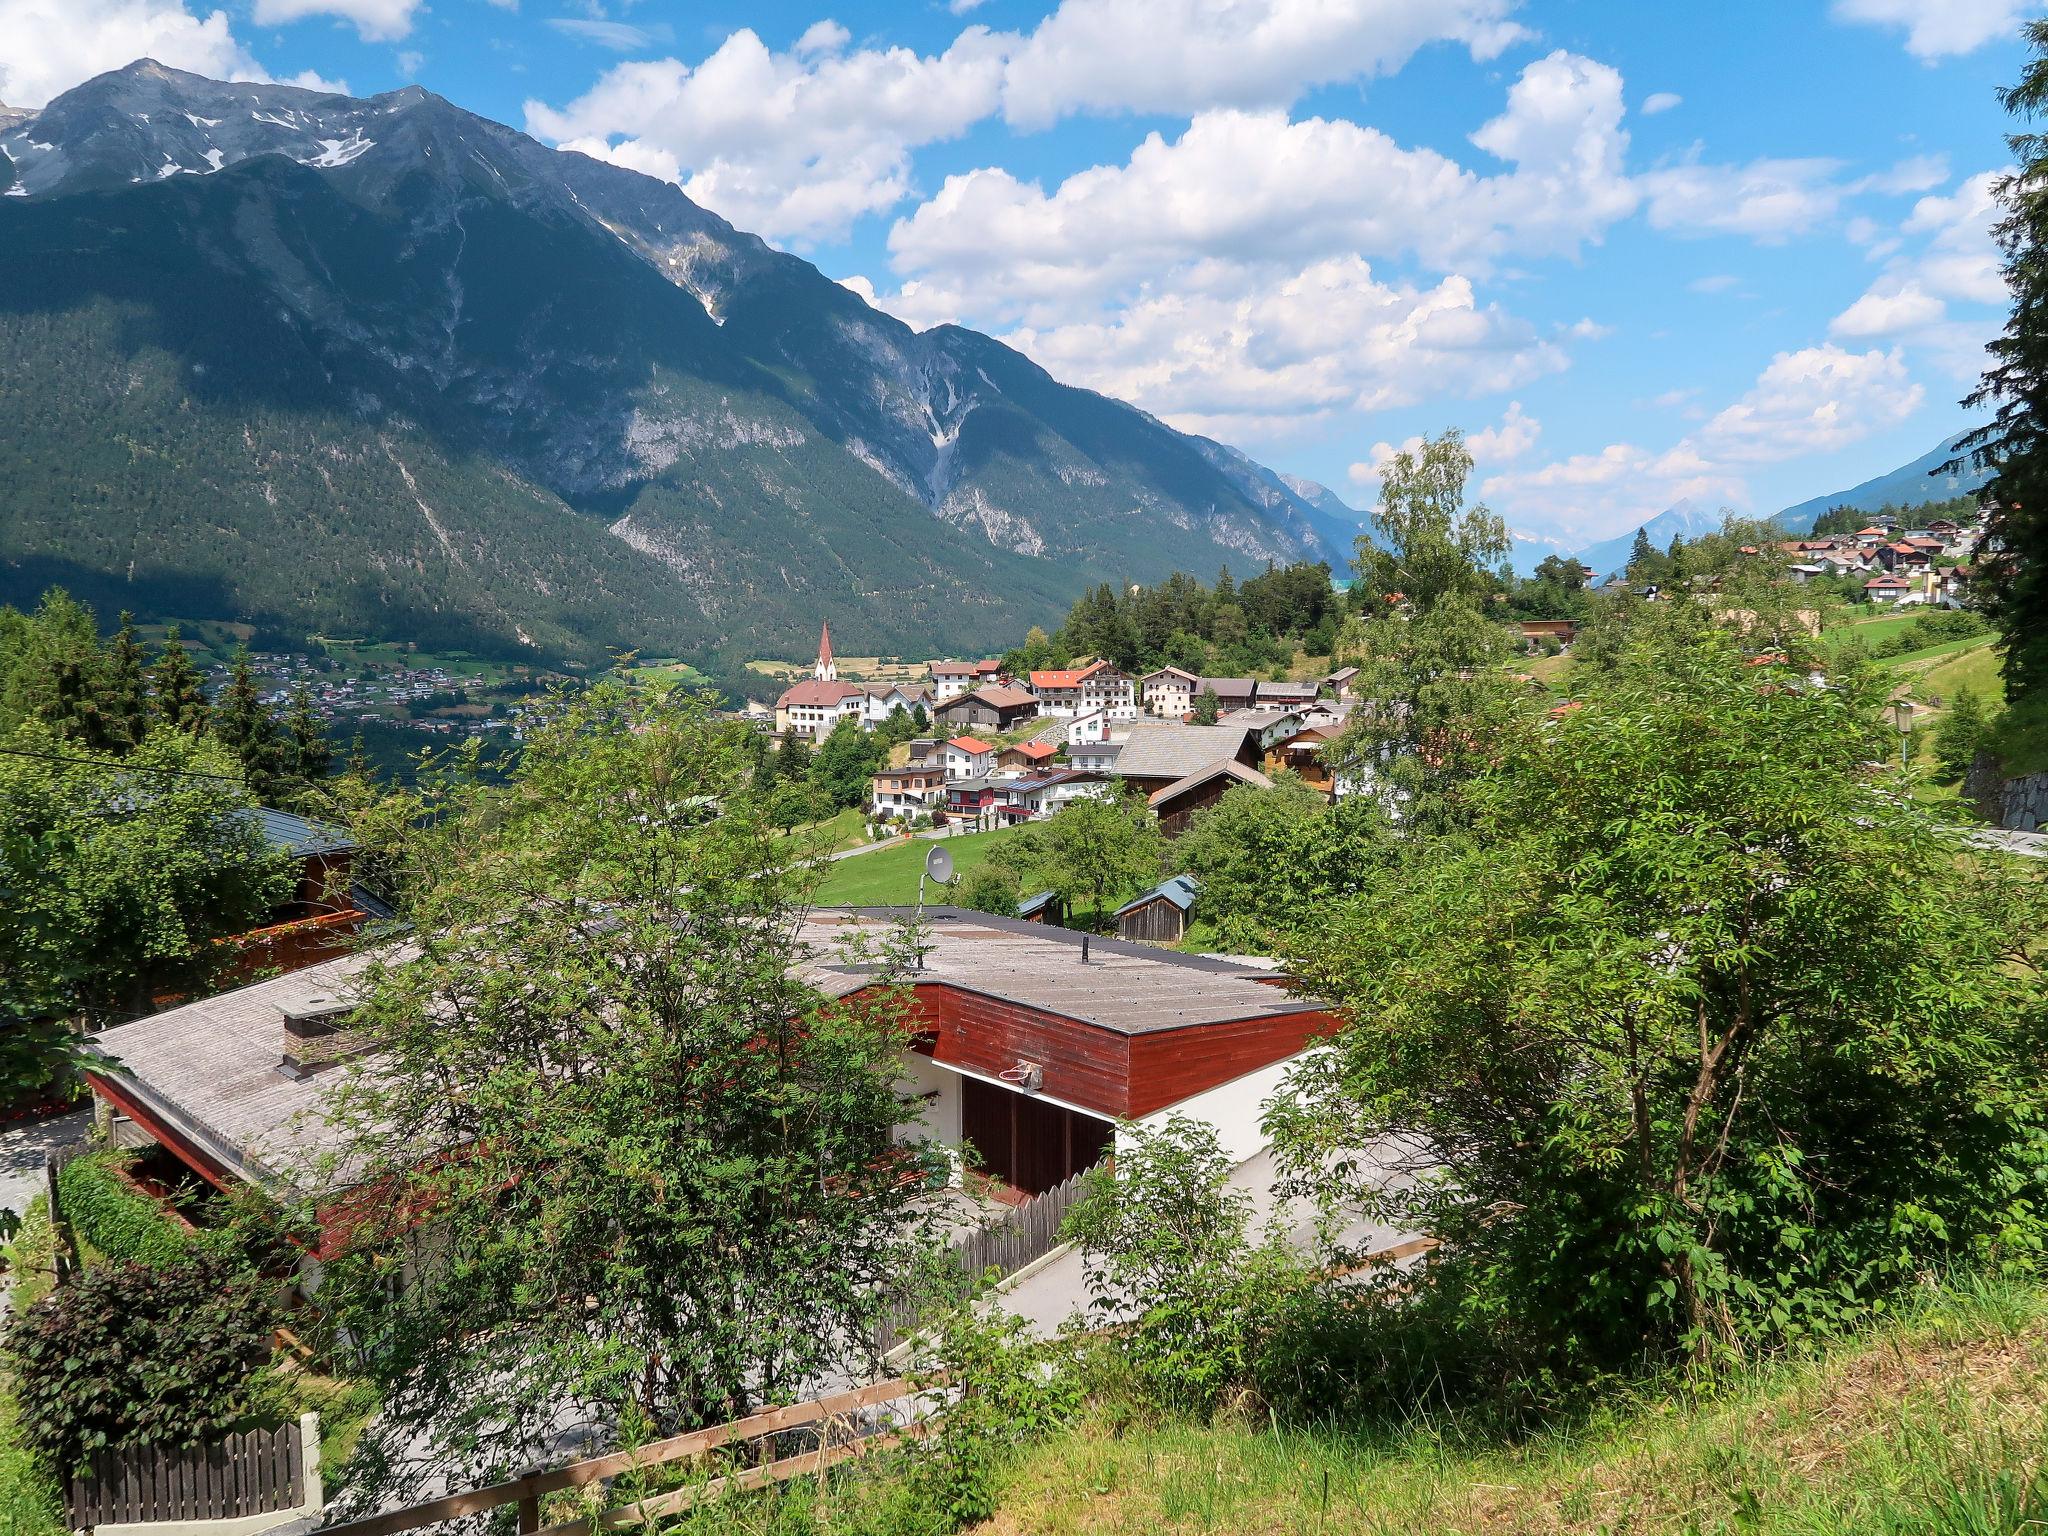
384	367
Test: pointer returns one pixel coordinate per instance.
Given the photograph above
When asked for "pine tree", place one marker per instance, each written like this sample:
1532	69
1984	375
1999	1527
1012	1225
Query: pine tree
56	672
1641	551
2014	446
127	686
358	765
244	725
176	687
308	753
1959	735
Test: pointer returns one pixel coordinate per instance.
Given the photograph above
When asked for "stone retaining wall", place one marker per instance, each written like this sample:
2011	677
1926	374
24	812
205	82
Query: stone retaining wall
2025	807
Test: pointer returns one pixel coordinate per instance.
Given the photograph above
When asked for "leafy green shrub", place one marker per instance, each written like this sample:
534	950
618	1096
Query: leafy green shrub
1166	1242
1718	1040
166	1355
990	888
121	1222
31	1503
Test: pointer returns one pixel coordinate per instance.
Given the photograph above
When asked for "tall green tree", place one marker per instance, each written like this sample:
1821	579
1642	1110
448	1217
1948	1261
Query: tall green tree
845	763
1208	707
306	754
177	688
677	1198
118	875
1270	859
244	725
1433	696
2012	583
1708	1037
128	683
1963	729
54	673
1102	848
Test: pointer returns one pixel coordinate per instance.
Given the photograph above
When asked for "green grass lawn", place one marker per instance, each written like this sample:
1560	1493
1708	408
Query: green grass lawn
889	878
1976	669
1935	652
1931	1423
843	829
668	674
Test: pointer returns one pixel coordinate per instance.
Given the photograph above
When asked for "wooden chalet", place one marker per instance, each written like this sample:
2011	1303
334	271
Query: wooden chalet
992	708
1026	1040
1176	804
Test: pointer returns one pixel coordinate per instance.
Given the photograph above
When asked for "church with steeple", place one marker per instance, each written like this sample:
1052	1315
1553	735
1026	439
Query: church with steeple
825	670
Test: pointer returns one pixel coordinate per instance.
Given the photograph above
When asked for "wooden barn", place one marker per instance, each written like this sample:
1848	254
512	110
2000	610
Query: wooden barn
1160	916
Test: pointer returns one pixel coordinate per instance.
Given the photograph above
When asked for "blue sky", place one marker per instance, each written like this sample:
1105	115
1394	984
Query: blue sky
1735	253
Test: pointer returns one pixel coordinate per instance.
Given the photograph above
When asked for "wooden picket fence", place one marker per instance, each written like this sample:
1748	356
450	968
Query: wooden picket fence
254	1473
842	1427
1019	1237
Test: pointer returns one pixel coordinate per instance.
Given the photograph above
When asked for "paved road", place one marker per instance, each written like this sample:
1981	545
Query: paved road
23	1149
2032	845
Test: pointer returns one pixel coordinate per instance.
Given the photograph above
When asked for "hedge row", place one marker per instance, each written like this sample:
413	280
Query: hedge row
116	1219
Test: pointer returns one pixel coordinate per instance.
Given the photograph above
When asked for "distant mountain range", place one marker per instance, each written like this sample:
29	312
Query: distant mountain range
1682	520
1907	486
381	367
1910	485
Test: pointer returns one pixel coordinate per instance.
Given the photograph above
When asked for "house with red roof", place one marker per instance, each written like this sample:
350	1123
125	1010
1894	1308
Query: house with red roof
967	757
1890	590
1094	685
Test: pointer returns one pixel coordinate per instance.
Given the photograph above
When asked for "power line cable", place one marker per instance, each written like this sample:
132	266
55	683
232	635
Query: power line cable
121	766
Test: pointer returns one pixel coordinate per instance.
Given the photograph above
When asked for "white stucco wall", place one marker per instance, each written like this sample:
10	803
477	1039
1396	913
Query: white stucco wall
1233	1108
941	1120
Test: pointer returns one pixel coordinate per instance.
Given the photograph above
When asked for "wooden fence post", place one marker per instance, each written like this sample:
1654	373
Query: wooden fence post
64	1258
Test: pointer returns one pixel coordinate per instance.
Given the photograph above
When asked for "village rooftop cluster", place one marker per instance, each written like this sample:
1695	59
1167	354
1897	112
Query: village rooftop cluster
1009	749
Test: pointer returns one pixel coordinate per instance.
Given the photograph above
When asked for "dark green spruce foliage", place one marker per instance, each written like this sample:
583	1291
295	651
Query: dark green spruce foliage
2014	446
162	1355
177	688
1715	1036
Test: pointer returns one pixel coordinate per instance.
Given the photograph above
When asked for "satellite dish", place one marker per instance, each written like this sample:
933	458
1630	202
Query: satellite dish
938	864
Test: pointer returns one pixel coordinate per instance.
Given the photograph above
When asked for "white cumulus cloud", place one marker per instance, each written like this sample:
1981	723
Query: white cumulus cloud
1809	401
375	21
1513	437
1235	352
1256	186
793	145
51	45
1182	56
1936	28
1942	290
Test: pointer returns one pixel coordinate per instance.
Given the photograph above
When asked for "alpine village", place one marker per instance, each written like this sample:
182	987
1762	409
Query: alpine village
662	878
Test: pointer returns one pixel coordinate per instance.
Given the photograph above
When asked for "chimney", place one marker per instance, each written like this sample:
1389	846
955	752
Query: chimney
316	1034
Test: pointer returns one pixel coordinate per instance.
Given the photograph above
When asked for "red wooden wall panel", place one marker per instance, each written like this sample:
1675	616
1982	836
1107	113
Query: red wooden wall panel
1173	1064
1102	1070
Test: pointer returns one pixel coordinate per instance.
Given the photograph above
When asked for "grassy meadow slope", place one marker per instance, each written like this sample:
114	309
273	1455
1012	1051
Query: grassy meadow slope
1932	1423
